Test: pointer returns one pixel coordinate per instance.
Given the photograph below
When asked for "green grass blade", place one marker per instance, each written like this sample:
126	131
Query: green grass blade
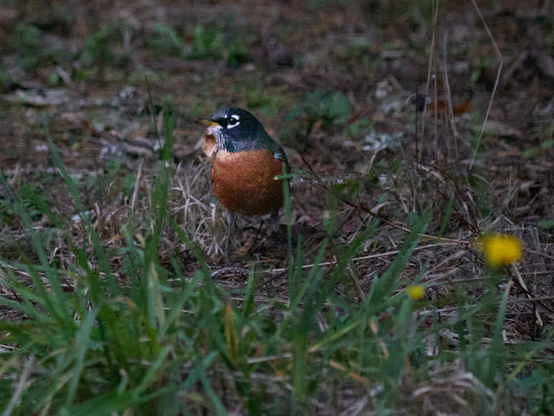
388	281
183	297
212	395
82	339
497	351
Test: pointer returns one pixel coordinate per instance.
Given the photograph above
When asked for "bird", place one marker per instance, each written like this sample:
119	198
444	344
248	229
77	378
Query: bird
245	162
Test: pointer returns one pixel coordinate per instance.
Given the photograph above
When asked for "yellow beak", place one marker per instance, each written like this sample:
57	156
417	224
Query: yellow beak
207	122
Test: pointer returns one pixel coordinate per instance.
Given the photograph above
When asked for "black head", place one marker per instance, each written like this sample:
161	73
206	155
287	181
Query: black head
236	130
235	118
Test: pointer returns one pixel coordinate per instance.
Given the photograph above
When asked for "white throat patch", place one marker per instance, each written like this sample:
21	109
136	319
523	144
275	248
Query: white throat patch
212	129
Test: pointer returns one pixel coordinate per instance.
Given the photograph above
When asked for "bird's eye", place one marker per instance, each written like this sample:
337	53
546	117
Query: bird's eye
234	122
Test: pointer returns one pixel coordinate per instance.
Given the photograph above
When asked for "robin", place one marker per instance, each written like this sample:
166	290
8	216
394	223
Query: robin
244	162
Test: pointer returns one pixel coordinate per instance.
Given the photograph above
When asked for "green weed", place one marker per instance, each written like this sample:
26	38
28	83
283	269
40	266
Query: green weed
207	44
164	41
236	53
26	43
326	107
103	50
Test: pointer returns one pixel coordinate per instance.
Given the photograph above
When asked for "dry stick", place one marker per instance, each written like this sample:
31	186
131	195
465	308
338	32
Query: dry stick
136	187
436	102
411	179
435	14
355	280
453	309
522	285
365	381
374	256
514	66
546	256
20	386
535	299
441	240
449	99
256	360
495	83
473	227
360	205
416	132
363	207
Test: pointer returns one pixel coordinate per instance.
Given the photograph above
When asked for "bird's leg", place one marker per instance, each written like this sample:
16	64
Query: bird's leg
231	220
273	224
275	233
258	231
255	240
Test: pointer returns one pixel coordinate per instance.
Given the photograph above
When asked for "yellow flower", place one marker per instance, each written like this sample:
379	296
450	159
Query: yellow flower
501	249
415	292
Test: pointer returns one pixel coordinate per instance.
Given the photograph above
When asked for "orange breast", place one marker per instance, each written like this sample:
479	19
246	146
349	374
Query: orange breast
244	182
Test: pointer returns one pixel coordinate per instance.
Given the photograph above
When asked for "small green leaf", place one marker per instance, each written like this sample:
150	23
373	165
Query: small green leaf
529	153
546	223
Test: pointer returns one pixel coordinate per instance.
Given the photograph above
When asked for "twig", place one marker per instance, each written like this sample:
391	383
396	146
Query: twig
363	207
255	360
449	98
495	84
546	256
136	188
431	53
375	256
20	386
523	286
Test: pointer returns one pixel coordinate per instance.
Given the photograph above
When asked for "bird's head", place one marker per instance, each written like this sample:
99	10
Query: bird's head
236	129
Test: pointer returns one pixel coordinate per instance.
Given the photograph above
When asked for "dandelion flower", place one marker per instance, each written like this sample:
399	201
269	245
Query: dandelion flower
415	292
501	249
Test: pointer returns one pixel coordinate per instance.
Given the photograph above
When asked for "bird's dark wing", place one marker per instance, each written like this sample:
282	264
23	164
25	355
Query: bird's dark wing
280	154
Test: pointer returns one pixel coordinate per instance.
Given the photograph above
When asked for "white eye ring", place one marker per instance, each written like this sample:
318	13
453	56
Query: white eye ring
236	118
